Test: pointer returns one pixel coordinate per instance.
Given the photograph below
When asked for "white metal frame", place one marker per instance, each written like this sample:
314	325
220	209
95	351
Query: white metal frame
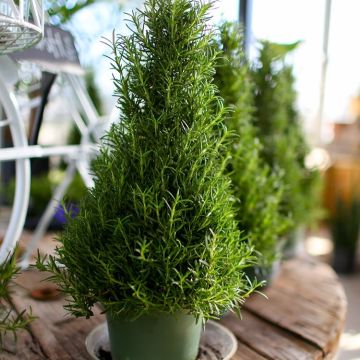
21	25
22	182
78	156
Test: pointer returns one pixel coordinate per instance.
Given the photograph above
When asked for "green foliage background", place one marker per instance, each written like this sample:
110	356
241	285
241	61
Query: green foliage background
63	10
279	130
157	231
259	189
41	191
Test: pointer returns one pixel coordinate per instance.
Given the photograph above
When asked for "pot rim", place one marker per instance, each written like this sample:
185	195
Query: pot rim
101	331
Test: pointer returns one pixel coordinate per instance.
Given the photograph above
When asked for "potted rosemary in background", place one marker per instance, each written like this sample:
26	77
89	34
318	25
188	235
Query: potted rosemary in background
155	241
345	227
258	189
284	145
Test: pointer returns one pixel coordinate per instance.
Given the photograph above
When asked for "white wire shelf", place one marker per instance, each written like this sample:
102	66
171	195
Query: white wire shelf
21	24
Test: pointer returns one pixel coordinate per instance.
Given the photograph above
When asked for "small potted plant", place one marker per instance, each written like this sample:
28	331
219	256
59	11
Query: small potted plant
345	226
284	145
258	189
155	241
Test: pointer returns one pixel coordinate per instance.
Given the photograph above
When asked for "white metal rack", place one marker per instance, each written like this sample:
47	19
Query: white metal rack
21	24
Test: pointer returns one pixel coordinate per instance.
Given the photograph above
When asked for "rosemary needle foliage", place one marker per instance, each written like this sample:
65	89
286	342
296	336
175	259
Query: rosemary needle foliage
157	232
280	132
10	322
258	189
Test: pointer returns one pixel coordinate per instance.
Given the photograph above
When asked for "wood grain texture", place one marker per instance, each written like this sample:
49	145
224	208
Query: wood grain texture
60	336
301	318
307	300
25	348
269	340
245	353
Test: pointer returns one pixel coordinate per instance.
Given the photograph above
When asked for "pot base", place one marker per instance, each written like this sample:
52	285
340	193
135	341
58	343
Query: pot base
217	343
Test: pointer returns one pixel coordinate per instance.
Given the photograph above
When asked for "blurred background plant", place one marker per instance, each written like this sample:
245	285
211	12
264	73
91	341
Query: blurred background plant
279	129
257	187
344	226
61	11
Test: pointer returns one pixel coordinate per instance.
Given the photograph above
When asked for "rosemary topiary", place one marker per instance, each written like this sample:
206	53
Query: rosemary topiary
258	189
280	132
10	321
157	232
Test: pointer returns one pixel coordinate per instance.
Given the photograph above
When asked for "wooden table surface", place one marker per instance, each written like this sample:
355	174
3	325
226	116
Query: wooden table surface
302	318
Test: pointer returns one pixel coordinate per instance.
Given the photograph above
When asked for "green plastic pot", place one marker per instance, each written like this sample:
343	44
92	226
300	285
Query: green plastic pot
154	337
294	243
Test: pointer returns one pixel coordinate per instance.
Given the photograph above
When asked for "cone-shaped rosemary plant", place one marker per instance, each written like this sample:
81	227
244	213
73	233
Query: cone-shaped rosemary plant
280	132
259	191
157	232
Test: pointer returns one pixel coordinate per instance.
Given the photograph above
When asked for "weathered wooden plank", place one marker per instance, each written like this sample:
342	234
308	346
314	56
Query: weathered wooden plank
302	319
303	312
335	304
323	289
60	336
71	335
331	355
270	341
25	348
245	353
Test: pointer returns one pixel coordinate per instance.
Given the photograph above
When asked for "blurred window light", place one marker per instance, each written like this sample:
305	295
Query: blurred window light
318	246
225	10
288	21
350	342
318	158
